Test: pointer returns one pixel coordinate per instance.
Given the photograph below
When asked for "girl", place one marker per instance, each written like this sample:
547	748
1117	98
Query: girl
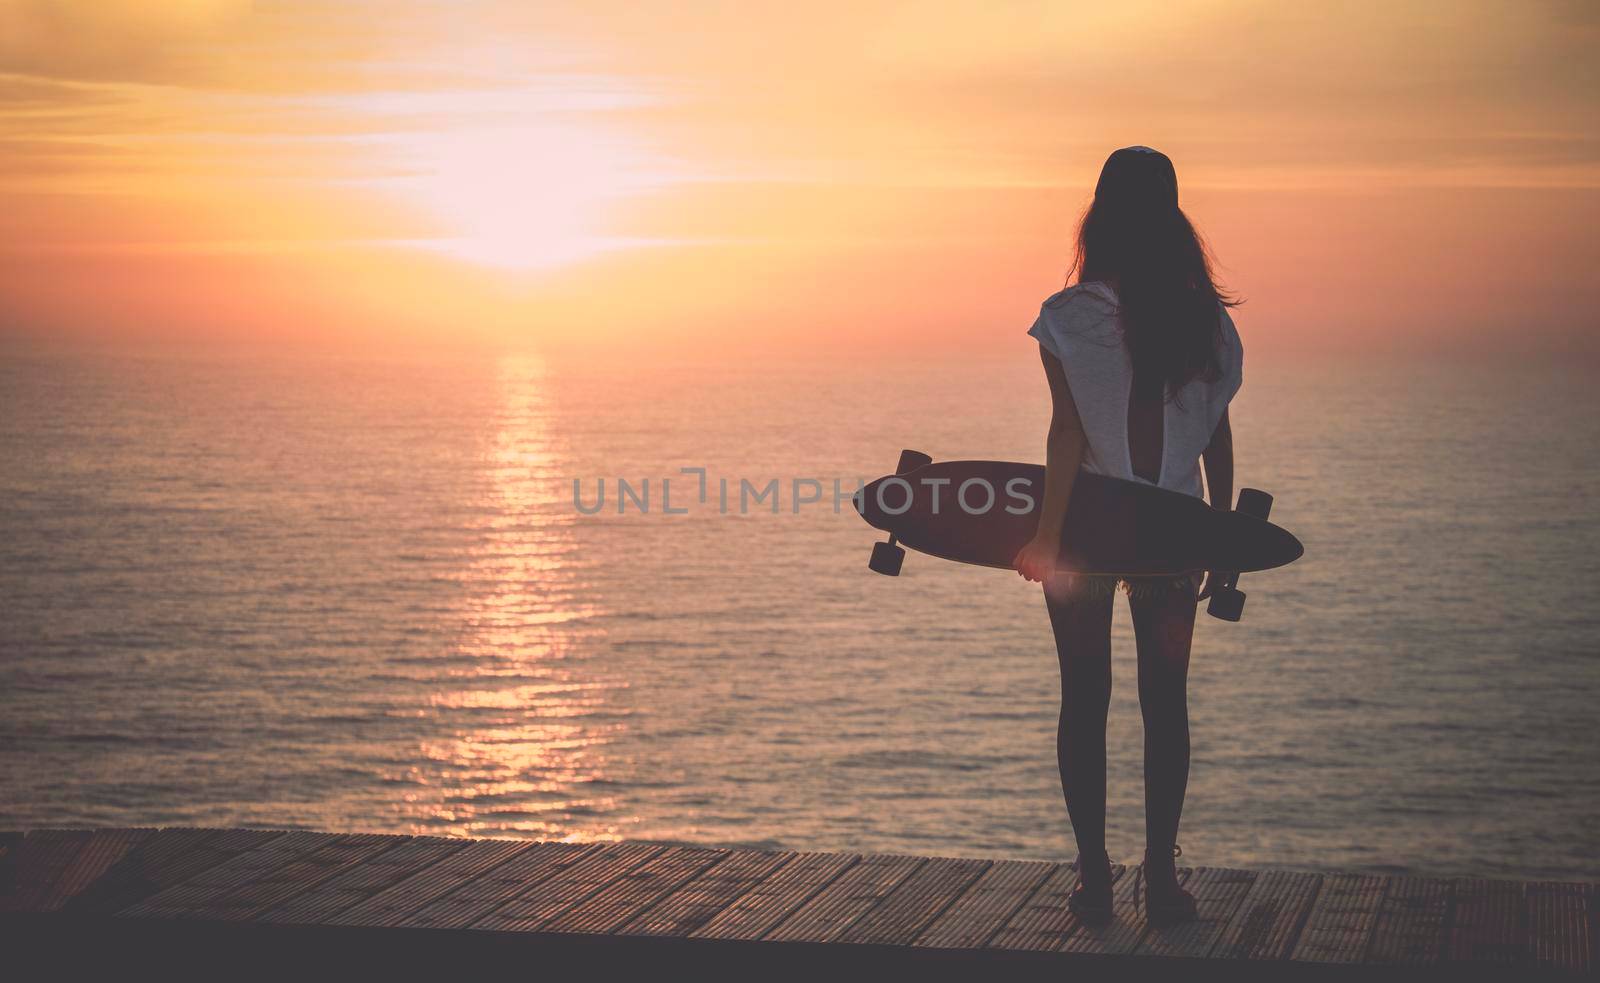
1142	359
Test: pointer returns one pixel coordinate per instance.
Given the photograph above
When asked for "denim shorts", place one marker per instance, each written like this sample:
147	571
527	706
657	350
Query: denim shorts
1074	587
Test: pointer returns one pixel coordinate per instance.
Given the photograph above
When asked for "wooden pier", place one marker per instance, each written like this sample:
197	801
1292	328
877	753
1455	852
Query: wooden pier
218	903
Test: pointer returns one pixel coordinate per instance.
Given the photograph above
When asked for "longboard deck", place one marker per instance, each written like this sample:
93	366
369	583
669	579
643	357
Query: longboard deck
1113	527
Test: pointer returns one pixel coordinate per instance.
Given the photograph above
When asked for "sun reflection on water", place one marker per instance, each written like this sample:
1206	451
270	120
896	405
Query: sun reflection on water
522	720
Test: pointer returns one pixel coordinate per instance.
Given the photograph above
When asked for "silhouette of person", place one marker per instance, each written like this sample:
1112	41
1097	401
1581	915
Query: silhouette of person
1142	360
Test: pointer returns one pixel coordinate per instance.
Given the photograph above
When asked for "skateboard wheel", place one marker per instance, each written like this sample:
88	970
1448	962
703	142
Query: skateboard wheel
1254	501
912	460
886	559
1227	603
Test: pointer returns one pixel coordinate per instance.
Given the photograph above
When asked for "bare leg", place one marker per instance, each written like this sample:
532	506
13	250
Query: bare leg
1082	627
1163	624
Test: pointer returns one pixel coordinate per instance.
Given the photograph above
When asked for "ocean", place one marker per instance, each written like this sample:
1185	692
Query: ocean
355	593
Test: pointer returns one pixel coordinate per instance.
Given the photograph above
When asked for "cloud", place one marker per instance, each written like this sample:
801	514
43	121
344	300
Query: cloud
1020	93
853	142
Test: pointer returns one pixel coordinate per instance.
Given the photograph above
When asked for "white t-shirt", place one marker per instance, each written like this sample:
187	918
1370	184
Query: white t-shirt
1079	327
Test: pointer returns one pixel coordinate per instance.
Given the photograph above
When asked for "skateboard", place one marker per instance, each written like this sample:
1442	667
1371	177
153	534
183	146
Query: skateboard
983	512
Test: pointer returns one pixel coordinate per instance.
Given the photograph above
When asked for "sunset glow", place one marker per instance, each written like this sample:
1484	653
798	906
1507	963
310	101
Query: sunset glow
518	180
674	173
517	197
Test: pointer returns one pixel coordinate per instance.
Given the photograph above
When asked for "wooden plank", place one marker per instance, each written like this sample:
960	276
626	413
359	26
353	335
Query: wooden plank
1413	923
1218	893
1489	922
636	891
1127	927
10	841
253	862
646	890
985	907
395	903
1043	922
477	897
105	848
550	898
918	900
1591	908
252	900
206	887
245	840
169	857
756	912
1558	925
855	892
39	863
1268	919
703	898
1341	920
362	881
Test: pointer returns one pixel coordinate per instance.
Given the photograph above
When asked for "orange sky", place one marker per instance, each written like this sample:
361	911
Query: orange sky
837	176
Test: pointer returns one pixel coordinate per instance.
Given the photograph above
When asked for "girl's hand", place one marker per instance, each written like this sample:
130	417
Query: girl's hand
1037	560
1213	578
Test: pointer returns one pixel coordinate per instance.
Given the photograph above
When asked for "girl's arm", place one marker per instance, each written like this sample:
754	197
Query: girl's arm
1218	461
1064	449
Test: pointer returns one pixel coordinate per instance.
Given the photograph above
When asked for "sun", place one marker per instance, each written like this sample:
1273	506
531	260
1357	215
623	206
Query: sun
534	195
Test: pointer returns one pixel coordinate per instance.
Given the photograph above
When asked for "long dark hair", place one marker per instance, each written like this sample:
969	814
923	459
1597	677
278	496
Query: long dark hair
1135	238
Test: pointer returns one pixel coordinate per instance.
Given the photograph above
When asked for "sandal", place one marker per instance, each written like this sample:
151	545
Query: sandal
1168	906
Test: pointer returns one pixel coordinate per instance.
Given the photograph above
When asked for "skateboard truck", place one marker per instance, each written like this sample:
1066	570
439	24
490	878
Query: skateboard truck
888	556
1227	600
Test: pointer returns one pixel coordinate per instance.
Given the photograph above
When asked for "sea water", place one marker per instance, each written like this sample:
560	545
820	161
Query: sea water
355	593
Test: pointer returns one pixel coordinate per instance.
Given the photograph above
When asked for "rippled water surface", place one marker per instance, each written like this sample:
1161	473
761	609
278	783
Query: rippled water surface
355	594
